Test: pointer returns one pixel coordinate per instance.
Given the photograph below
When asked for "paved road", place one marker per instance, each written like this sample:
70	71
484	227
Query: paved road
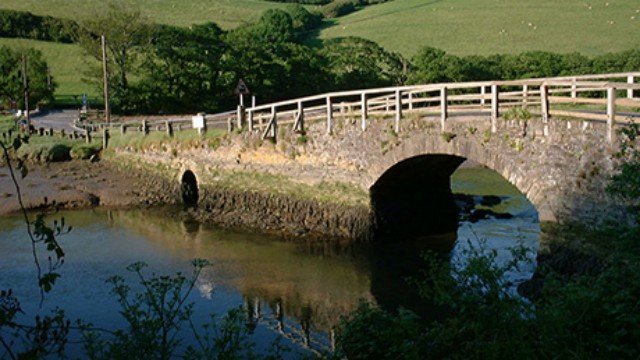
55	119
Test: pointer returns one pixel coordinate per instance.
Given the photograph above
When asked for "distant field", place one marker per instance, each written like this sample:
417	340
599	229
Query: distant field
66	62
482	27
226	13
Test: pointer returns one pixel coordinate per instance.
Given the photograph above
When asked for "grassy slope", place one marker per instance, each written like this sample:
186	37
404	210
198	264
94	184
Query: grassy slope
66	62
226	13
466	27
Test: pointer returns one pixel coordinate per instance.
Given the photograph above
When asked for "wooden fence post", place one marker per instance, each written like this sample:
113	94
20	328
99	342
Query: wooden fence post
169	128
410	101
145	128
272	126
574	93
483	92
329	114
240	115
250	120
363	100
298	124
495	110
630	81
544	108
105	138
525	95
443	107
611	113
398	110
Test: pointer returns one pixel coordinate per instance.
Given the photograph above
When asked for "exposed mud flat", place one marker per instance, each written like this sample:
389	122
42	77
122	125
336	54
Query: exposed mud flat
76	185
85	184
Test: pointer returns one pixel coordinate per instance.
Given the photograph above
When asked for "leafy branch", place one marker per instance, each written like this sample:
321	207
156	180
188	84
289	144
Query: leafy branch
38	230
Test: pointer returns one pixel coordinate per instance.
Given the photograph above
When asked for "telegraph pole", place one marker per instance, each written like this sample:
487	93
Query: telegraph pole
25	81
107	112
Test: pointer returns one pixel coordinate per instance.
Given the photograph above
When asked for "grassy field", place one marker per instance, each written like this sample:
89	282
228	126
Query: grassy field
226	13
461	27
66	62
482	27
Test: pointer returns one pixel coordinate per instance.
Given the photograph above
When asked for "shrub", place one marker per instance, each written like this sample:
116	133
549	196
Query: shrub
339	8
23	24
84	151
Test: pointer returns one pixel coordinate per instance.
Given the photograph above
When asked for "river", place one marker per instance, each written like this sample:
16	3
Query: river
296	289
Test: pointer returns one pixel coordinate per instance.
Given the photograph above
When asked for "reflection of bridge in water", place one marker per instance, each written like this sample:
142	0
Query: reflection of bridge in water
300	332
299	290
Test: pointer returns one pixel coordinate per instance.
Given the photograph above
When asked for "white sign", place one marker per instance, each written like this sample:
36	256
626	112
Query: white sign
198	121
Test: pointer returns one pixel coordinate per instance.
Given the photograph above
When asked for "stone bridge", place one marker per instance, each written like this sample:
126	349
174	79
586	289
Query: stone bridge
554	139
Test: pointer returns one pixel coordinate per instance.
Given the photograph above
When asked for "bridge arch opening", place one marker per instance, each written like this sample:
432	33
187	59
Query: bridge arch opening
413	198
416	198
189	189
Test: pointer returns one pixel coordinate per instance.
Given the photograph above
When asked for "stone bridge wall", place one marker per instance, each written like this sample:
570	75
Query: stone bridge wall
563	174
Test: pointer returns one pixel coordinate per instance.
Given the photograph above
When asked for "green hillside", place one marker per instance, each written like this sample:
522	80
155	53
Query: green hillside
466	27
65	62
226	13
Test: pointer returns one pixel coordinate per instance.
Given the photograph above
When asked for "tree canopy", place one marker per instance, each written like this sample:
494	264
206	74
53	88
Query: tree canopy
11	81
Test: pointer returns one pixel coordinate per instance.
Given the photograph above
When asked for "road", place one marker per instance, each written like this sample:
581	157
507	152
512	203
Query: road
55	119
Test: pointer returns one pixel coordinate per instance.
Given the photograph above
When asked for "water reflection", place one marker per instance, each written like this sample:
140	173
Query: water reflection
298	289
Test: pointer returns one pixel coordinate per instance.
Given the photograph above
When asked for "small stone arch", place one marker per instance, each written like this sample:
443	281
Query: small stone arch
189	188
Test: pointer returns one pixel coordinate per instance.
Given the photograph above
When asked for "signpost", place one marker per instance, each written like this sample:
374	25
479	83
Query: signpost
241	90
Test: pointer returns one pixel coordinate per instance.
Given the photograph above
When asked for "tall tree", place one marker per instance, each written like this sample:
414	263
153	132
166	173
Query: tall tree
267	56
128	32
181	70
11	82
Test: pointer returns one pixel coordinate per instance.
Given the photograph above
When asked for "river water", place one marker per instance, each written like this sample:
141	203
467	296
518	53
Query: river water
295	289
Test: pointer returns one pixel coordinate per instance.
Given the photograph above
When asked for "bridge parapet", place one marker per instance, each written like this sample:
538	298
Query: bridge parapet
602	97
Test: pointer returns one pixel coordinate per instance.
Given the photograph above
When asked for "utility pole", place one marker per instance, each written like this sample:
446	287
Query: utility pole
25	81
107	112
48	78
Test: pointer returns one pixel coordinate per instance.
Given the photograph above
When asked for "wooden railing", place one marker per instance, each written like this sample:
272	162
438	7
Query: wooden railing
610	98
574	93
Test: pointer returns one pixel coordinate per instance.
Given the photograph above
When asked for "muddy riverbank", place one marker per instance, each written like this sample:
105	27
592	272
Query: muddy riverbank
77	184
84	184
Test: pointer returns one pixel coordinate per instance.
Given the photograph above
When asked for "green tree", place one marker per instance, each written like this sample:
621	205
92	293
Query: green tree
11	82
128	35
275	25
181	70
357	63
273	65
302	19
431	65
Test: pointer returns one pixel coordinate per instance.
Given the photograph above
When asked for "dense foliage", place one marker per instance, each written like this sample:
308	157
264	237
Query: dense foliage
576	316
165	69
23	24
11	80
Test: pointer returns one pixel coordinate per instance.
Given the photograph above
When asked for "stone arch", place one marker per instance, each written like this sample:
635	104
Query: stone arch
495	159
189	188
413	198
